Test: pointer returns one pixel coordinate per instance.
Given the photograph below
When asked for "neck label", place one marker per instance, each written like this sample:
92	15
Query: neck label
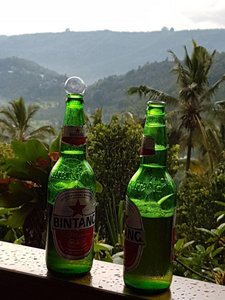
148	146
74	135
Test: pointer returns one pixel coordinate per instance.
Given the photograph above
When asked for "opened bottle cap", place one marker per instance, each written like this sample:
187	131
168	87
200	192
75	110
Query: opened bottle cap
75	85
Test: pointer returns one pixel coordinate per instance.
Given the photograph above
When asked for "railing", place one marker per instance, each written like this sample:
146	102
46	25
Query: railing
23	275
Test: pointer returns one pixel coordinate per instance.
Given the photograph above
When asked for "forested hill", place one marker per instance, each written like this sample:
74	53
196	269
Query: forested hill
23	78
110	94
97	54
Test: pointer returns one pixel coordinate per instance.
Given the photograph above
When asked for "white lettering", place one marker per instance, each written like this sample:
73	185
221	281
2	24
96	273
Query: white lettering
60	222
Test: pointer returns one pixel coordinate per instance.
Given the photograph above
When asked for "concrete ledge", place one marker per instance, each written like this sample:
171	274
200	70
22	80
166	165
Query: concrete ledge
23	274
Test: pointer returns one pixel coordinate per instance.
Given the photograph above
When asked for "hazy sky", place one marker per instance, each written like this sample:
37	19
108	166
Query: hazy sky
31	16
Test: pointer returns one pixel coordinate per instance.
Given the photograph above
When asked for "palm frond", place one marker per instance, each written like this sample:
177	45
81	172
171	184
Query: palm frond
183	75
141	90
201	64
175	58
213	89
19	111
187	59
211	61
206	143
16	121
41	132
8	114
153	94
31	111
220	103
7	125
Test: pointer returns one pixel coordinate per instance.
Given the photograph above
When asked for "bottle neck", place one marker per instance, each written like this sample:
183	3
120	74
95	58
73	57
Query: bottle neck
154	145
73	142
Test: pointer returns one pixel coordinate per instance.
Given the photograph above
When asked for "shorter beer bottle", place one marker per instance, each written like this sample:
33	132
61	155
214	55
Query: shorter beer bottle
71	193
150	211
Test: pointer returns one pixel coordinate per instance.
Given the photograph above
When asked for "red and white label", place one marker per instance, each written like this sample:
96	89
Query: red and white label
74	135
134	237
148	146
72	223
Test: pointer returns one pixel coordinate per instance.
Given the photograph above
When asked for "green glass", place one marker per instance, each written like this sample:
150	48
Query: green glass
150	211
71	196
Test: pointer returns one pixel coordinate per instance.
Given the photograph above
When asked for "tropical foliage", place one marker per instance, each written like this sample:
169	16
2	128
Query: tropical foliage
25	165
16	124
193	109
113	151
200	249
23	191
203	262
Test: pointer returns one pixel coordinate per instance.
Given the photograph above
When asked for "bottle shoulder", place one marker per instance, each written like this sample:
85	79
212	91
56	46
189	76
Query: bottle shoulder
71	166
151	184
68	174
151	174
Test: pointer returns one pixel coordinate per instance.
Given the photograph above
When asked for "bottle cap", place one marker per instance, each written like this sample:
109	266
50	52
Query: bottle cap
75	85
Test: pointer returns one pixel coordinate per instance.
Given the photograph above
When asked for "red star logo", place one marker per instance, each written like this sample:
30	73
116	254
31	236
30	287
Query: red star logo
77	209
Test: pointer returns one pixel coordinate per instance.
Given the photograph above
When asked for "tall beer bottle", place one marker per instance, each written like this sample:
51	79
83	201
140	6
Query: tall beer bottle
71	193
150	211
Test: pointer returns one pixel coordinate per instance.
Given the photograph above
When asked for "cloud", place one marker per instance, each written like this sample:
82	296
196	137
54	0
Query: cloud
203	12
216	16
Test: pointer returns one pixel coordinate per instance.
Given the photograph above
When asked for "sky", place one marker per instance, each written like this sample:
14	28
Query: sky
35	16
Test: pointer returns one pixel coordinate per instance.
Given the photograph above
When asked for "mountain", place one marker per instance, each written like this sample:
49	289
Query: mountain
36	84
98	54
20	77
110	93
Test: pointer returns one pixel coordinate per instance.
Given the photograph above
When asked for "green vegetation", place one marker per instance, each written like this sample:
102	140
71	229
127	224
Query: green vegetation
98	54
16	122
20	77
113	151
193	109
195	121
196	160
200	248
23	192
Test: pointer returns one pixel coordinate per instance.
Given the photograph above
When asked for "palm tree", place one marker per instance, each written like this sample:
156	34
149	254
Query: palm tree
194	106
16	122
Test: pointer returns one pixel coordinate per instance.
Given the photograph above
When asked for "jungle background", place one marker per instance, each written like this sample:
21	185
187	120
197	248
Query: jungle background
193	89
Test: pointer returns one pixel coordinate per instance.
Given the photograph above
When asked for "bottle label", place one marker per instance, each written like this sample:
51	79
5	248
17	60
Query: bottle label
148	146
74	135
134	237
72	223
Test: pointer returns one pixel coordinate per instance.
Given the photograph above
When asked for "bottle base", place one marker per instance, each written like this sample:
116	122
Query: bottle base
147	290
68	268
142	285
68	273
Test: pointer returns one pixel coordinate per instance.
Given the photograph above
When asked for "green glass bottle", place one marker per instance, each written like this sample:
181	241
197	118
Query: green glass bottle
150	211
71	193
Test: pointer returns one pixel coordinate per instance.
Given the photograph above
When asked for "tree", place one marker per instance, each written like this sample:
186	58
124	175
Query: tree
193	108
16	122
113	151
